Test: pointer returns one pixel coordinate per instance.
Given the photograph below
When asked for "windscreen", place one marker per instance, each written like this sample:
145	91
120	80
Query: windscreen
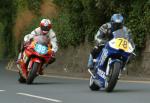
41	39
121	34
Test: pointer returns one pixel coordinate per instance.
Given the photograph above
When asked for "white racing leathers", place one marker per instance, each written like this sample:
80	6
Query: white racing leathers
51	35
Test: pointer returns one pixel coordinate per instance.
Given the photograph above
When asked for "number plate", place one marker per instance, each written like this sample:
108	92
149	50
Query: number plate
122	43
41	49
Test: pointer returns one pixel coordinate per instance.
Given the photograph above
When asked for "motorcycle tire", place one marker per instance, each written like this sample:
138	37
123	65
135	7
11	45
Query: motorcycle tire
113	76
33	73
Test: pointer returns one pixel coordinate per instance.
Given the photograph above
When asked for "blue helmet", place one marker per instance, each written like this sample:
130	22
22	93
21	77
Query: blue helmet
117	21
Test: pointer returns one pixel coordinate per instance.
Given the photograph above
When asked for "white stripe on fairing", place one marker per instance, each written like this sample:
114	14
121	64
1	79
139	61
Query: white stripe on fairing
39	97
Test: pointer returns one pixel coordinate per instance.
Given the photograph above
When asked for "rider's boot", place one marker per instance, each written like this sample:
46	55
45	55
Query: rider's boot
41	71
52	60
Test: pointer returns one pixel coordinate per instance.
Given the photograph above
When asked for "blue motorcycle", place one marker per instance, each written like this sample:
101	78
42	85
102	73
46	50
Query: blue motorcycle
111	61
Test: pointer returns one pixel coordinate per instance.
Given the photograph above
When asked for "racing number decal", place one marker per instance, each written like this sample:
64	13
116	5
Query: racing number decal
122	44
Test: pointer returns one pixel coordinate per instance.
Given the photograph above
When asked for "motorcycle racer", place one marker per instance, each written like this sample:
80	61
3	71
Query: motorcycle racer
45	29
104	34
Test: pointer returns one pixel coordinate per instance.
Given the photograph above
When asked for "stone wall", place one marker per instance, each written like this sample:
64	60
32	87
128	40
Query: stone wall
74	60
146	58
140	65
71	60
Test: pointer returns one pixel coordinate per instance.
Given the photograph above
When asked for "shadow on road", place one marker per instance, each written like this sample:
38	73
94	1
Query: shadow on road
138	90
47	83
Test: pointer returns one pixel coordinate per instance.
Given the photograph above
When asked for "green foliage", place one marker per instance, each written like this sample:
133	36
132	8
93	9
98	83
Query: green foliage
139	21
1	29
69	24
78	20
8	10
1	40
34	24
34	6
7	14
20	5
93	13
2	46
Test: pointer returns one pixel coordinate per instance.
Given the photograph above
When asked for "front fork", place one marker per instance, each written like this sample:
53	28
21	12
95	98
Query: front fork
91	73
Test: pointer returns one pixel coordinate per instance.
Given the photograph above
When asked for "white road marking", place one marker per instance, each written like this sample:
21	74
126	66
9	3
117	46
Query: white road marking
2	90
39	97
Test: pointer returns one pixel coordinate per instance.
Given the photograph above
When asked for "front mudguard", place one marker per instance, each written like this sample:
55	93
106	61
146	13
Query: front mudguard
32	61
115	60
110	64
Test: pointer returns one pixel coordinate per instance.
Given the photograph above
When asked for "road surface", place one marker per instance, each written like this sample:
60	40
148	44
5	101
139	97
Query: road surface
63	90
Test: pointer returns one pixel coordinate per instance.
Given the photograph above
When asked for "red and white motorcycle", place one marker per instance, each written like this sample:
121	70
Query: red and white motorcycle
35	54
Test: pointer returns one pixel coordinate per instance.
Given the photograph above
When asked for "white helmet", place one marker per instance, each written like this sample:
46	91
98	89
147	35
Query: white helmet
45	26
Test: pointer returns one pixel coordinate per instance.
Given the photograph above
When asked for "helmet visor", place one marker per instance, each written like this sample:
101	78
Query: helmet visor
45	28
117	26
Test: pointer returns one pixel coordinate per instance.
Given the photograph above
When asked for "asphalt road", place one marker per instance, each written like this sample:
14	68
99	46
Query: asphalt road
57	90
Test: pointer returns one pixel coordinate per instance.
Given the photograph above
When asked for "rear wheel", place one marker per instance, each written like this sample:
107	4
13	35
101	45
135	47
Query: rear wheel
113	76
33	73
93	86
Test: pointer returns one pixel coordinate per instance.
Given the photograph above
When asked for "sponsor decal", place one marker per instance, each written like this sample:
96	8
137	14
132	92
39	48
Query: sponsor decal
101	73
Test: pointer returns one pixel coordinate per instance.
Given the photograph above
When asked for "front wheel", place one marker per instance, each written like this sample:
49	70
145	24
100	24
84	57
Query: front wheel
113	76
32	73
